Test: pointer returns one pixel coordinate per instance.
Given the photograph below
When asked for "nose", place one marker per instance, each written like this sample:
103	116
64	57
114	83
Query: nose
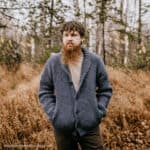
69	37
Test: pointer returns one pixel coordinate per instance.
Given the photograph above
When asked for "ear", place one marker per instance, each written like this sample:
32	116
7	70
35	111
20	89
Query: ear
82	40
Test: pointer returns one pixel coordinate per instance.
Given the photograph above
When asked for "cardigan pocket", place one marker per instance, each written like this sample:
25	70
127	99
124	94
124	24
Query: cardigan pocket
62	122
89	116
63	118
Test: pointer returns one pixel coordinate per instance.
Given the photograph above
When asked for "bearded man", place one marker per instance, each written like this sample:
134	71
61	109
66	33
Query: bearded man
74	92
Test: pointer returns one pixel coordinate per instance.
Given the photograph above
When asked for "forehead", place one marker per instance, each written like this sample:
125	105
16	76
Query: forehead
71	32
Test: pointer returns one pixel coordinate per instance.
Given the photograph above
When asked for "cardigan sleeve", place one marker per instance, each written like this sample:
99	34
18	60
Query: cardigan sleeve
46	90
104	89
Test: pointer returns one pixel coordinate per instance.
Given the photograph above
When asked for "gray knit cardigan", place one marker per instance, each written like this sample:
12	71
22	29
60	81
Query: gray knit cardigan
69	110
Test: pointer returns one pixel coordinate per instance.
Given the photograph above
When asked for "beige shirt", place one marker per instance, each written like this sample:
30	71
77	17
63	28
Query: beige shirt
75	69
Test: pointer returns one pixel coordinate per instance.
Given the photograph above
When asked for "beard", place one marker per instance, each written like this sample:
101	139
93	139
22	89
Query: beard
71	54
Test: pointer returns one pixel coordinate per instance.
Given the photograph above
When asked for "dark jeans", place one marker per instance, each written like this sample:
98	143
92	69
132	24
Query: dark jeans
90	141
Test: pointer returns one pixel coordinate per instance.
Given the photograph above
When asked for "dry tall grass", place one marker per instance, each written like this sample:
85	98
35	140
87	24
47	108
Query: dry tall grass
23	124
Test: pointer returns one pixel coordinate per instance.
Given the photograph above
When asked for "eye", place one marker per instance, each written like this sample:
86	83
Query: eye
74	34
65	34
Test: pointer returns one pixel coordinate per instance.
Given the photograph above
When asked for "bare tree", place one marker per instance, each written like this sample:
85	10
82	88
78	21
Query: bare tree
77	10
102	13
125	61
47	16
139	25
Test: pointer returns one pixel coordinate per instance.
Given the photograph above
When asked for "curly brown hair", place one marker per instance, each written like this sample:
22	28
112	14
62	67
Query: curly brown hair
73	26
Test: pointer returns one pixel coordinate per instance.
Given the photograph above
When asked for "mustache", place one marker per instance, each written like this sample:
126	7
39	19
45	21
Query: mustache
69	43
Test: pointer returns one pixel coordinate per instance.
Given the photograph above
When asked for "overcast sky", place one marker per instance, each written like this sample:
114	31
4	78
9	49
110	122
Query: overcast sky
145	19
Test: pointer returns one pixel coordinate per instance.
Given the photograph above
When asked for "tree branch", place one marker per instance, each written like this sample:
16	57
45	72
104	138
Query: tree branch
11	8
8	16
2	26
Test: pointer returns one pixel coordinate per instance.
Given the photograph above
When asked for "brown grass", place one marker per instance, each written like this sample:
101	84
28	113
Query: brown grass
23	122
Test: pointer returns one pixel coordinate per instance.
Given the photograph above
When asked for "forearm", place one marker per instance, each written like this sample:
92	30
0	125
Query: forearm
47	100
104	96
104	89
46	91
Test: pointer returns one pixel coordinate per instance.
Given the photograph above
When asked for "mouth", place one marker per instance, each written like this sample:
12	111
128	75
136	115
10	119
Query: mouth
69	43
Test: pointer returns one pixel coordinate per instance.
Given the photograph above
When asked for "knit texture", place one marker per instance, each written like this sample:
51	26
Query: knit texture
70	110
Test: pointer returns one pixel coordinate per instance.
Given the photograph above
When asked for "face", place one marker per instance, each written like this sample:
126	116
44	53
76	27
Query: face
71	40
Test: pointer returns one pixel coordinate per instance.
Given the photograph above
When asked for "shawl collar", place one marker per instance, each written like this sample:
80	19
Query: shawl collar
84	70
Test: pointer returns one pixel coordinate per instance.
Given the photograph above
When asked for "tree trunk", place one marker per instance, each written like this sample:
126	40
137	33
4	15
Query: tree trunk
51	10
103	19
126	36
84	2
139	26
126	48
32	48
76	10
98	39
103	44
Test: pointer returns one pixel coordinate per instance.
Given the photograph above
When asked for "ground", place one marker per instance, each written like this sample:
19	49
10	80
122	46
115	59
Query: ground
24	124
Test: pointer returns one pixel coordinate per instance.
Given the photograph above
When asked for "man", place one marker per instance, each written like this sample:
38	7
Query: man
68	92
